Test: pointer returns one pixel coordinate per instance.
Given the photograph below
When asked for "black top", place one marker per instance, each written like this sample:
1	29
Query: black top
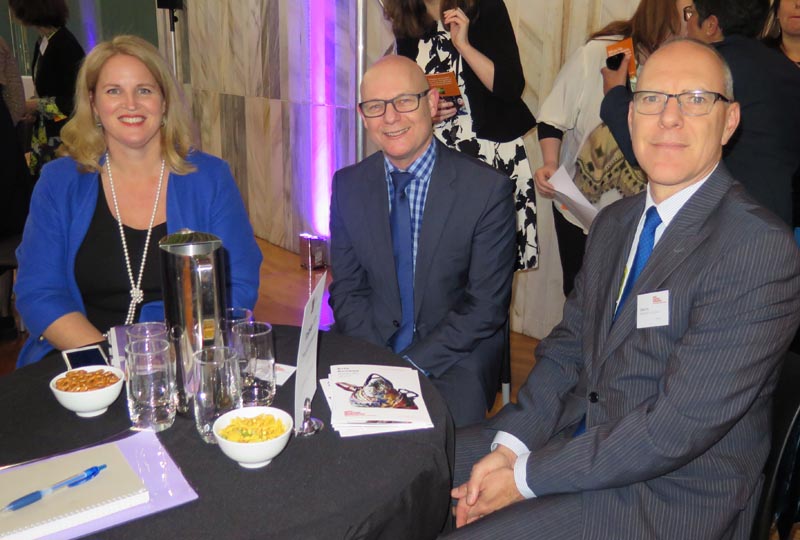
500	115
100	267
55	71
764	153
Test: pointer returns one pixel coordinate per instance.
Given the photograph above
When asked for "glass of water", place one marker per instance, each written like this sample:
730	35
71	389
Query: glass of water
231	318
150	384
218	389
253	343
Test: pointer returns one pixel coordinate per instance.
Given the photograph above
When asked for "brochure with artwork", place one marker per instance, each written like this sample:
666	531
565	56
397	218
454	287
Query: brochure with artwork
375	396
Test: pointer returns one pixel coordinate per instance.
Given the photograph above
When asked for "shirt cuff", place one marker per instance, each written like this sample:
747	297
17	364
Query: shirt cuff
520	465
510	442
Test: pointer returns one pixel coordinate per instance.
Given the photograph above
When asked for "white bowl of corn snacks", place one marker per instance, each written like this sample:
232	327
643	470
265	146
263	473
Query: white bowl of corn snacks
253	436
88	391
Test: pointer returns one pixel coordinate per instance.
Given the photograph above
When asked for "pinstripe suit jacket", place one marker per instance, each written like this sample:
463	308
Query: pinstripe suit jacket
678	420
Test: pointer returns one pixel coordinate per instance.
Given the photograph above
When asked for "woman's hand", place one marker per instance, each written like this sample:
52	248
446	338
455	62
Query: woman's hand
458	24
542	179
619	77
446	109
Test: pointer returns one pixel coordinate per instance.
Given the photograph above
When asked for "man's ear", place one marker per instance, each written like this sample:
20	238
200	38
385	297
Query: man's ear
732	117
433	101
711	26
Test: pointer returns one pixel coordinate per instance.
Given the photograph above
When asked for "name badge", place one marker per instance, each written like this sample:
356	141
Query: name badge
652	309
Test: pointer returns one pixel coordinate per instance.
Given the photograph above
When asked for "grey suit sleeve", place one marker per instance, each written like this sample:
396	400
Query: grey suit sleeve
483	307
739	323
559	362
350	289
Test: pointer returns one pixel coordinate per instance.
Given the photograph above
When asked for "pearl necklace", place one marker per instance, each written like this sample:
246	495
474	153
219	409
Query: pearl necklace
137	295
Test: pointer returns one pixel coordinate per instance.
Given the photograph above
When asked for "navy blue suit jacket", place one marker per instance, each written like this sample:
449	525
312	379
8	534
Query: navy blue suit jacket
464	266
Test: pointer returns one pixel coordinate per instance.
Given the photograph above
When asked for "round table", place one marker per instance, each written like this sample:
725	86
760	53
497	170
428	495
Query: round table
393	485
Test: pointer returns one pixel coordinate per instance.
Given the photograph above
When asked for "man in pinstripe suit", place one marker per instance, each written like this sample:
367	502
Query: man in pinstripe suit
649	418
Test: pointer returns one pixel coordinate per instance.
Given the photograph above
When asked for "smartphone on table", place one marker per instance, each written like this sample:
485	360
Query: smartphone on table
91	355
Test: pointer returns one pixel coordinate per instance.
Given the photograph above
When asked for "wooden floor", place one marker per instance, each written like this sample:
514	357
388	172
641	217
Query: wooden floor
285	287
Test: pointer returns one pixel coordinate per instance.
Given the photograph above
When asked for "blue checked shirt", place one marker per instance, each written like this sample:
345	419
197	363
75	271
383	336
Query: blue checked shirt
417	190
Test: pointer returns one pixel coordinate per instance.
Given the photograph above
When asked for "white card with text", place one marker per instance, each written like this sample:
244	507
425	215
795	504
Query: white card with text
652	309
306	375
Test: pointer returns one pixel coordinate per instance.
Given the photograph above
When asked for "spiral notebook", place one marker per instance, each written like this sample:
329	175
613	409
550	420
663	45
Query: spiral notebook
116	488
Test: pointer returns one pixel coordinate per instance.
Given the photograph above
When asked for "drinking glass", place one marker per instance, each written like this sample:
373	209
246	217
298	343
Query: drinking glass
253	343
218	391
150	384
231	318
146	330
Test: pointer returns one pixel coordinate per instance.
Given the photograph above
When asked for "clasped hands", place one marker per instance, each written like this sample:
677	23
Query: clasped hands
491	486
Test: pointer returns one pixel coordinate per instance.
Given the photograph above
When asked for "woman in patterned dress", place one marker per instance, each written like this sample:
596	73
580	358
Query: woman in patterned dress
57	56
474	40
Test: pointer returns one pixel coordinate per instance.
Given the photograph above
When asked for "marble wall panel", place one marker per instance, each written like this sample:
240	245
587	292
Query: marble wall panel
206	51
234	140
268	188
269	45
206	113
240	30
343	47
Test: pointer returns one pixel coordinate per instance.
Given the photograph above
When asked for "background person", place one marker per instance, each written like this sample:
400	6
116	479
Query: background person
16	186
570	131
57	57
474	39
763	153
782	30
130	177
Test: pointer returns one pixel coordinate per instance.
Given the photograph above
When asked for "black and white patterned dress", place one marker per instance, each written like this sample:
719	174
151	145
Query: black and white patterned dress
438	55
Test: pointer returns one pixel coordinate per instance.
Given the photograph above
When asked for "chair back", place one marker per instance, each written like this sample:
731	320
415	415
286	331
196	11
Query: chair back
781	494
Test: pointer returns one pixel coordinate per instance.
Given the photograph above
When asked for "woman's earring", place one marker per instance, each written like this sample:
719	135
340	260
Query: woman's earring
98	123
163	121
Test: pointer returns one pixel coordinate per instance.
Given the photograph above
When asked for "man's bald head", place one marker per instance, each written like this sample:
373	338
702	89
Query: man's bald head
403	136
398	67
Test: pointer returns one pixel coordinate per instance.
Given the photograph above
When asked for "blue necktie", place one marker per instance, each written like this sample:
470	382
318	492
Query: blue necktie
403	259
643	250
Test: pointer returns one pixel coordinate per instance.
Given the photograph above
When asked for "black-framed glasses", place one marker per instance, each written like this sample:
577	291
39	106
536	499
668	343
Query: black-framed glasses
694	103
404	103
688	13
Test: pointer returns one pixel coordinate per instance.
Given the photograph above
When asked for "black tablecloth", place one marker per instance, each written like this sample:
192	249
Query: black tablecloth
378	486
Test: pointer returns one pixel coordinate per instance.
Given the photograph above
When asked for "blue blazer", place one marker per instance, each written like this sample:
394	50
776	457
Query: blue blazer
62	207
464	268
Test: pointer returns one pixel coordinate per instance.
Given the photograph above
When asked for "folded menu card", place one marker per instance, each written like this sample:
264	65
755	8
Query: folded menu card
115	488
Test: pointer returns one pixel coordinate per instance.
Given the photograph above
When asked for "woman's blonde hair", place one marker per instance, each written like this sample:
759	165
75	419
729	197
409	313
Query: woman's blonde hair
83	139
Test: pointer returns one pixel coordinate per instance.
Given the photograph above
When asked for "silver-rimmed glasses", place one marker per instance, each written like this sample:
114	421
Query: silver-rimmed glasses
694	103
404	103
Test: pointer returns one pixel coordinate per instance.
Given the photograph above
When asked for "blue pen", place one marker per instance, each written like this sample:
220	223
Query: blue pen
72	481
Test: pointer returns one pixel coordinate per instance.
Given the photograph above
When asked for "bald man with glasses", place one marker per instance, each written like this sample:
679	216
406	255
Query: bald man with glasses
423	245
647	413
